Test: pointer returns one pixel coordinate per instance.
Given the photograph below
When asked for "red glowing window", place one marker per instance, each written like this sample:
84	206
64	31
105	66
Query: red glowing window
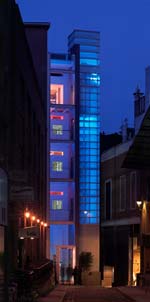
56	117
60	153
56	193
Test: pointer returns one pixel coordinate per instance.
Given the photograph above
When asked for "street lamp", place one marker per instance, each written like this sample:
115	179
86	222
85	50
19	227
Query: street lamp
139	204
27	214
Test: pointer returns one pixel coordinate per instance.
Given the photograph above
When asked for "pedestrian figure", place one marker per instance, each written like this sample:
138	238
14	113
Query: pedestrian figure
62	272
27	264
79	275
69	272
76	275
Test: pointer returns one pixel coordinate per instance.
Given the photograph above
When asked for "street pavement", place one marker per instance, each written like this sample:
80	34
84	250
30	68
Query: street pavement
56	295
138	294
66	293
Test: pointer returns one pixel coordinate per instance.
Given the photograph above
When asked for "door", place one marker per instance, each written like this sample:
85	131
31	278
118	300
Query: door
65	262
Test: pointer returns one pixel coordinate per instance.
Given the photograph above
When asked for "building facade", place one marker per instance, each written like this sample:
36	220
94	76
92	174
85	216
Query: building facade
125	180
138	158
120	219
74	150
23	137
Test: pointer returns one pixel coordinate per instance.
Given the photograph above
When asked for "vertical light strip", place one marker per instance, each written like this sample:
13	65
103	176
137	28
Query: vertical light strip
89	134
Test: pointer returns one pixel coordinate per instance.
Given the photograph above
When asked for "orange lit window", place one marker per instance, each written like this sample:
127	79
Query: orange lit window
57	153
56	193
56	94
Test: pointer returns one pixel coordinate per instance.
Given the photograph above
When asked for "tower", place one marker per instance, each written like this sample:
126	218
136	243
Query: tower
74	150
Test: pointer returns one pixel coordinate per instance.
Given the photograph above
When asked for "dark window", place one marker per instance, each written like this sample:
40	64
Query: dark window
133	189
108	200
122	192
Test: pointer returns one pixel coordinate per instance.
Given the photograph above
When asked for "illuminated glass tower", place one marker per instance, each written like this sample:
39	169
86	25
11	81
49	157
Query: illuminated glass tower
74	150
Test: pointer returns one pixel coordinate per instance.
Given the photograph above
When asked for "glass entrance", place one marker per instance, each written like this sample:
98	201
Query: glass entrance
65	262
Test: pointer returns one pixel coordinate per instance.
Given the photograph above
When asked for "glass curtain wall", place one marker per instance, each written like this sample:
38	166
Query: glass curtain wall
89	125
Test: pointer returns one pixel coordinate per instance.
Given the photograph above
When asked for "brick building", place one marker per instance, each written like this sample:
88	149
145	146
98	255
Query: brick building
125	179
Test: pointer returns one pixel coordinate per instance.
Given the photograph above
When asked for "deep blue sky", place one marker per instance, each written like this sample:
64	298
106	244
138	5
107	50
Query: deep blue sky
125	45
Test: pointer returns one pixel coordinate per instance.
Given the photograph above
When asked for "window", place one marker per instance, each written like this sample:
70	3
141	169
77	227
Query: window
122	192
133	189
57	166
89	62
108	199
57	129
56	193
57	204
56	94
56	117
58	153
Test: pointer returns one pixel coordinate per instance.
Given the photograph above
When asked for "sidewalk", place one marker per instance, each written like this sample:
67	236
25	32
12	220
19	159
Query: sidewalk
56	295
136	293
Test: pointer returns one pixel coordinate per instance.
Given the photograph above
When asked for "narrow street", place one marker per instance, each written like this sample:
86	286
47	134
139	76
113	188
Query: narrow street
94	294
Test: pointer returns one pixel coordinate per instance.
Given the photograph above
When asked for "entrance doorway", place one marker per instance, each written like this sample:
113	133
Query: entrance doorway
134	260
65	262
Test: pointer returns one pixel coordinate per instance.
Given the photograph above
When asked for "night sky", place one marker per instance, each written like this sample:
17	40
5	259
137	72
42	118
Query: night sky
125	45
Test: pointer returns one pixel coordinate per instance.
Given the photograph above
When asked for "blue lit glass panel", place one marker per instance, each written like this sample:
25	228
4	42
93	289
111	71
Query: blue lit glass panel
84	207
60	235
89	48
93	55
93	207
58	62
86	138
93	158
89	130
89	62
84	220
93	220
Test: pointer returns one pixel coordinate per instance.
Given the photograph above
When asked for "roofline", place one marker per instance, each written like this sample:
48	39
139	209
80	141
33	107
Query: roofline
84	30
116	151
38	24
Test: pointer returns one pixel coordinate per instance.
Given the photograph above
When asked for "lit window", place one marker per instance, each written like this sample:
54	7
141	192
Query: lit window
60	153
57	204
56	94
57	165
57	129
56	193
56	117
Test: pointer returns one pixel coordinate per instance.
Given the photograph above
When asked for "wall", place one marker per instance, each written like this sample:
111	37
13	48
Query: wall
88	234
